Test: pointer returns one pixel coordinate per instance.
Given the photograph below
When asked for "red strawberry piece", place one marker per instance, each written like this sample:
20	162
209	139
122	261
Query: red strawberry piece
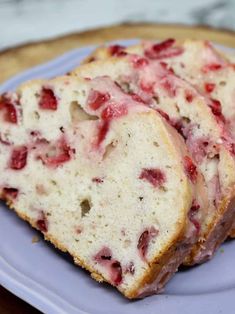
144	239
137	98
9	193
211	67
168	84
163	114
97	180
18	158
189	96
56	154
63	157
121	54
139	62
215	107
167	68
116	273
102	132
192	213
42	223
10	114
117	50
231	147
104	258
104	255
111	112
163	45
209	87
190	169
180	128
154	176
163	50
47	100
169	53
143	243
97	99
147	87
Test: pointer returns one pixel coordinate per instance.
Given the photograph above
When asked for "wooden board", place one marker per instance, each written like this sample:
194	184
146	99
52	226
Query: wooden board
17	59
10	304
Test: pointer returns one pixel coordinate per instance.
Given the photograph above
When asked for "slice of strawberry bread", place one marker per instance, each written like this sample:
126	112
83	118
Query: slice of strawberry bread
199	62
103	177
198	119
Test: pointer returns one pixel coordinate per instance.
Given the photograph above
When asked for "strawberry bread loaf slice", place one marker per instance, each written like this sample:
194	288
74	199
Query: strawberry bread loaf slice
198	62
196	118
80	160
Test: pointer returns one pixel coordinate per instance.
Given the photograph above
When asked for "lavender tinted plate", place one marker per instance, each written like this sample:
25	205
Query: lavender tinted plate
48	280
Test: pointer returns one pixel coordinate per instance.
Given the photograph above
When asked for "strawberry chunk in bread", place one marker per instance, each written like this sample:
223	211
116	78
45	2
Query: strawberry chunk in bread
199	120
82	161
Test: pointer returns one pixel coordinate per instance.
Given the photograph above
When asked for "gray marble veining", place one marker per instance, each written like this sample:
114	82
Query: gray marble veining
28	20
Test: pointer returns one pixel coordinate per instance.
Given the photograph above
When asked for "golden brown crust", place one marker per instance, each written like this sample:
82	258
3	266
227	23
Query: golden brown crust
232	234
217	231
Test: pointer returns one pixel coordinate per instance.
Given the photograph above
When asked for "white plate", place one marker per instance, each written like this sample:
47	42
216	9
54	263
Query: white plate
48	280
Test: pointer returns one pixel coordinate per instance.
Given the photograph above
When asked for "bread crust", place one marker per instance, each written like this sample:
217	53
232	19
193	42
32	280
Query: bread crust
232	233
216	234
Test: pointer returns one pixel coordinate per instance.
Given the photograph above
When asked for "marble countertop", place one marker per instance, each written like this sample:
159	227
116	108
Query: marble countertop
28	20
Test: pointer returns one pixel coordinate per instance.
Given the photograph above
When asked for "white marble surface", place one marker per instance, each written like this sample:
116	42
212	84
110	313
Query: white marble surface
28	20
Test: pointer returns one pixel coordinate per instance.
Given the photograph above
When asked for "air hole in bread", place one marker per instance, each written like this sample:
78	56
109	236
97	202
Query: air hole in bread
109	149
36	115
85	207
78	114
125	86
222	83
156	99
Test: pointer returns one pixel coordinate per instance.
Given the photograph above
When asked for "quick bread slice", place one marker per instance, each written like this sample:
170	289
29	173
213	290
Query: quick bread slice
199	62
108	185
194	116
